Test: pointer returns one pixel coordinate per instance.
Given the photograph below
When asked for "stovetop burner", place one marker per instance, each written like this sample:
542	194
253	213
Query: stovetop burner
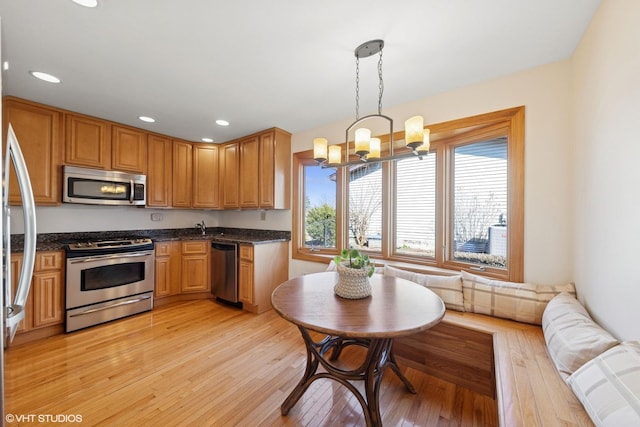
108	246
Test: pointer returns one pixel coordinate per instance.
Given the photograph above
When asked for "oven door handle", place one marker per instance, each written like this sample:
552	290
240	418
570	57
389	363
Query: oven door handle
103	257
127	302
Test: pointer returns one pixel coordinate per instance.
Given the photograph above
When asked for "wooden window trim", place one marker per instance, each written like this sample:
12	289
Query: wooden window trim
444	135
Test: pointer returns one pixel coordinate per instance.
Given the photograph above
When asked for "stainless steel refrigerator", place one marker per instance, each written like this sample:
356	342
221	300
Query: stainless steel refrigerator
13	306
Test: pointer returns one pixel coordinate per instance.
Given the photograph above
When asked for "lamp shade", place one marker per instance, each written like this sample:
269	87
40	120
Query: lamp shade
426	143
414	131
320	149
335	154
363	136
374	147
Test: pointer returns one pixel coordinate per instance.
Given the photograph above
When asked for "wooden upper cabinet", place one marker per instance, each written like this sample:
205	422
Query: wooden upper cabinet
274	170
39	133
128	150
159	171
182	174
206	190
87	142
249	176
229	176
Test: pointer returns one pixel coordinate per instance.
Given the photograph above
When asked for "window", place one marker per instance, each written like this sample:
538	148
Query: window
319	207
479	187
365	207
415	207
460	207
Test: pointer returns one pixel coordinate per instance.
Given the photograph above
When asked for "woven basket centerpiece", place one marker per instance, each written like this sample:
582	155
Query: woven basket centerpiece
353	283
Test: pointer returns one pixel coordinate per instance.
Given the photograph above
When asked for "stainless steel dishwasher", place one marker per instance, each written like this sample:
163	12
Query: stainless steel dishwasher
224	271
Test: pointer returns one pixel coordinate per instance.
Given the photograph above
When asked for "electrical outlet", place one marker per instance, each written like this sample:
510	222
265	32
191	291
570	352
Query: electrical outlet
263	215
156	217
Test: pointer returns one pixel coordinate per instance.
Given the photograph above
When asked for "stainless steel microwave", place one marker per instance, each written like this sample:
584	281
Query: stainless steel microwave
100	187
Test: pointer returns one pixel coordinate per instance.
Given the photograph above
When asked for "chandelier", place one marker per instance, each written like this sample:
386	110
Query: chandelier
366	148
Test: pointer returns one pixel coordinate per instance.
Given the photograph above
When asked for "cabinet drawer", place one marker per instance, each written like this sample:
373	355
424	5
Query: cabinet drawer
163	249
46	261
246	252
195	247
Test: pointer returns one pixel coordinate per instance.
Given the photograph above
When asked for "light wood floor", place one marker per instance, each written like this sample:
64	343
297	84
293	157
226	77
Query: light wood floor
201	363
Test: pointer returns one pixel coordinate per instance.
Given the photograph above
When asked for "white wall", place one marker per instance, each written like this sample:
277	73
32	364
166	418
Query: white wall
544	91
273	220
68	218
77	218
606	80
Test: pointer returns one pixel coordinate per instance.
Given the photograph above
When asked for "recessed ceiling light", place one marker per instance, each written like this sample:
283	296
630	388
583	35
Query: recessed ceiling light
86	3
147	119
44	76
221	122
207	139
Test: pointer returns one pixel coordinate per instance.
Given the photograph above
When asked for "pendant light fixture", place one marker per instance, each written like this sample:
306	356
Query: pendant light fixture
364	146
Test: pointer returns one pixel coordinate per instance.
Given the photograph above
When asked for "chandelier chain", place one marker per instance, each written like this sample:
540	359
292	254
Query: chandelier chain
357	87
380	83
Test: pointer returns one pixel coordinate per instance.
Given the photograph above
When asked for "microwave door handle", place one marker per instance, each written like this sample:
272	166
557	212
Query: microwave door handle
29	214
132	191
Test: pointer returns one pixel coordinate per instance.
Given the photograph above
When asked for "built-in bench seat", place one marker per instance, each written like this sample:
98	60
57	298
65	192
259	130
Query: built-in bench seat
503	359
533	348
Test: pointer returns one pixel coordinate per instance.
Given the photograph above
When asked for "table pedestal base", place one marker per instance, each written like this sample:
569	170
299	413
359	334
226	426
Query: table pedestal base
379	356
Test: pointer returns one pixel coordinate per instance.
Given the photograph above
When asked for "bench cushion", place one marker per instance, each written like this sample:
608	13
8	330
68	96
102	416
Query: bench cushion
572	337
522	302
609	386
448	288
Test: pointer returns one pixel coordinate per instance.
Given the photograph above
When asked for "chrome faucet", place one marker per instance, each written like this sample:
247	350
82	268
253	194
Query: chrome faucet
202	227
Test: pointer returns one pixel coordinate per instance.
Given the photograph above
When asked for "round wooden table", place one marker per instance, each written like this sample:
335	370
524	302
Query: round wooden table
396	307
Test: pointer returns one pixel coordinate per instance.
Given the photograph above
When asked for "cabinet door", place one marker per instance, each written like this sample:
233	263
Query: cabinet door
48	289
195	273
205	176
159	171
128	149
275	169
266	168
249	168
39	132
182	166
195	266
162	277
167	272
245	288
229	176
87	142
47	297
16	266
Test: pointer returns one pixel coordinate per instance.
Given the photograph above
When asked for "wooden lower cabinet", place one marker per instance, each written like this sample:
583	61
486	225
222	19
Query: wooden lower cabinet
167	269
262	268
181	268
195	266
45	304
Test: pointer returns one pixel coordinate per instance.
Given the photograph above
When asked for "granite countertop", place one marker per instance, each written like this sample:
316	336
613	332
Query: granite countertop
56	241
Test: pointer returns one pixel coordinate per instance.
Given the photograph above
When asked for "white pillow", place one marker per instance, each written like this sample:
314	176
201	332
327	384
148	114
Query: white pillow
523	302
572	337
609	386
448	288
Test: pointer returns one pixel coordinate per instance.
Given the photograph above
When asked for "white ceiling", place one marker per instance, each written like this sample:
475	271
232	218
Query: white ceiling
258	64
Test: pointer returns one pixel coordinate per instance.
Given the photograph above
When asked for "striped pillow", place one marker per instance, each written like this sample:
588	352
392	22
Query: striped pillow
609	386
448	288
572	337
516	301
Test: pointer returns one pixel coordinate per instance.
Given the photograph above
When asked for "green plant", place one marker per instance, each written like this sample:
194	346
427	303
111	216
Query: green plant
355	260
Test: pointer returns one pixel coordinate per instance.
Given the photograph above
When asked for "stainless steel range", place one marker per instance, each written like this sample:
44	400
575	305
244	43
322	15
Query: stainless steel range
107	280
